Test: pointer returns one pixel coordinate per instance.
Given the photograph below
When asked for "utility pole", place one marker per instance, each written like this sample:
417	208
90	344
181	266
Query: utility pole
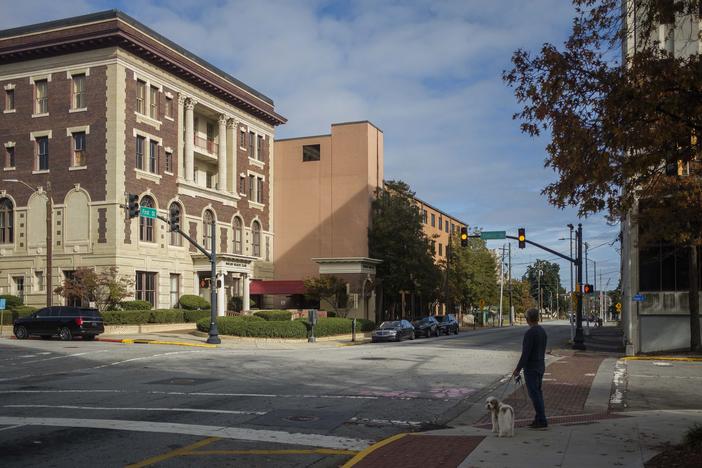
570	227
586	247
502	283
578	340
540	296
509	277
595	278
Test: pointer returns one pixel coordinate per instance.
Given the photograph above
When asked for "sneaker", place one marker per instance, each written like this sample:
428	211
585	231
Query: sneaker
537	425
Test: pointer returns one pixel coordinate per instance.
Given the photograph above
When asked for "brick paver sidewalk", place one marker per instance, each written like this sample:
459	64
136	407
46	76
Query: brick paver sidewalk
566	387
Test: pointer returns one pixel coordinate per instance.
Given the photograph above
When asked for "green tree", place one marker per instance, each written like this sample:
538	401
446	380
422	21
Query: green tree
473	274
396	237
106	289
329	289
623	127
549	281
522	300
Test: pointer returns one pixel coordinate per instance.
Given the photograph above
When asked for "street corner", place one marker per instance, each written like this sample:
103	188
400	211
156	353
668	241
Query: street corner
131	341
416	450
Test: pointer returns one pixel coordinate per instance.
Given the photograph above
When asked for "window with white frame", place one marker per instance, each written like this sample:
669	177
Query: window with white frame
145	287
9	99
169	162
79	157
252	143
146	225
140	143
252	186
141	97
242	139
41	96
78	91
259	189
238	235
259	148
42	153
7	221
242	185
9	156
38	280
256	238
153	156
153	102
168	111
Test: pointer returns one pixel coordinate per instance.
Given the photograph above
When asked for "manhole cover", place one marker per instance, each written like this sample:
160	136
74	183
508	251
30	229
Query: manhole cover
302	418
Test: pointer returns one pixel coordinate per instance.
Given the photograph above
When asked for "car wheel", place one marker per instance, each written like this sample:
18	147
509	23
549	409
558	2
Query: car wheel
65	334
437	332
45	337
21	332
412	336
88	337
455	331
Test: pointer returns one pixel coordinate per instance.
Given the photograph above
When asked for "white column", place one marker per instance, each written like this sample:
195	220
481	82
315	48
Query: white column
181	126
189	140
222	155
221	298
247	298
233	179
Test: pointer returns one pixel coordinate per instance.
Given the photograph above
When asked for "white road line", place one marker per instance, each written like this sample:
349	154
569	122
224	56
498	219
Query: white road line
11	427
64	356
105	408
141	358
224	432
158	392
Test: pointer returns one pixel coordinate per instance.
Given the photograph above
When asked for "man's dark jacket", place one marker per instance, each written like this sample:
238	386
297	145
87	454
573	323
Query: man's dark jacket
533	350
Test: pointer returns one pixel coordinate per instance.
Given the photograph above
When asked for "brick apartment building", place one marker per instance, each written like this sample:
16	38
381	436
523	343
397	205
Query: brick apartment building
98	106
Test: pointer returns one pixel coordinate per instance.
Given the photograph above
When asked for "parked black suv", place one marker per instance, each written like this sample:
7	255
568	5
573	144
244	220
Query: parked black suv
66	322
447	323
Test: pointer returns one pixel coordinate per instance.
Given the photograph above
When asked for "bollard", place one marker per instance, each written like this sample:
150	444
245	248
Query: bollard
312	319
353	330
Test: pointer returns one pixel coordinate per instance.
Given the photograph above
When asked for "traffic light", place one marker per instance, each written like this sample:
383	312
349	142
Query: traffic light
521	236
587	288
464	237
174	217
133	204
205	283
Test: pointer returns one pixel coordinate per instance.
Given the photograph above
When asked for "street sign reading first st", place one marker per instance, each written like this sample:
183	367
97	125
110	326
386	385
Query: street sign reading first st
146	212
493	235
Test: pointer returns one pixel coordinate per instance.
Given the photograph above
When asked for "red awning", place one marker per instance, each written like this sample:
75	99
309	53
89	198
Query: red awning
277	287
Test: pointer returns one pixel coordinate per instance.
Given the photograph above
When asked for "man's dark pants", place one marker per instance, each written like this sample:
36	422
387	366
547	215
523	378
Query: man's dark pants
533	379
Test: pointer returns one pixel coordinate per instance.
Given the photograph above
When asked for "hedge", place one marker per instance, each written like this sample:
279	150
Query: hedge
192	302
274	315
18	311
140	317
135	305
245	326
11	301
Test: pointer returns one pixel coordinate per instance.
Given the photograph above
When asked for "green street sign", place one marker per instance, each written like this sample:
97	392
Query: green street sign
146	212
493	235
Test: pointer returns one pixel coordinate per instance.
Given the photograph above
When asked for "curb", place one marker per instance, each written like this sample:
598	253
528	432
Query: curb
368	450
156	342
663	358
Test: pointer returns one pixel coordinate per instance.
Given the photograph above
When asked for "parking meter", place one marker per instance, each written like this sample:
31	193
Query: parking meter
312	320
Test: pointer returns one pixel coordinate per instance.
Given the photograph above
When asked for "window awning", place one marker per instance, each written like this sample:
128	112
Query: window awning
277	287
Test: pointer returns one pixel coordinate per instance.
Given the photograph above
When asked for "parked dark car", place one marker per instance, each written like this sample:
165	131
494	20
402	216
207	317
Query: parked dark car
427	326
66	322
397	330
447	323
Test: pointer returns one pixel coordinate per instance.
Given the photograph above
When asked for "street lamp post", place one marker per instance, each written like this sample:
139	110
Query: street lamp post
49	233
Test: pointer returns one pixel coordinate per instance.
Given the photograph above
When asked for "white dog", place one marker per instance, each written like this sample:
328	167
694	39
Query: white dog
502	417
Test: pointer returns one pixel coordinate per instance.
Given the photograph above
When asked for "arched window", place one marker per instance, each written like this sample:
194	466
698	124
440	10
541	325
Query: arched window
175	209
256	231
238	234
207	219
7	222
146	225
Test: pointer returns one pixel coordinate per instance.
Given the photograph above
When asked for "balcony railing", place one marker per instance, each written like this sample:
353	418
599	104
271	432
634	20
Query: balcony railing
210	146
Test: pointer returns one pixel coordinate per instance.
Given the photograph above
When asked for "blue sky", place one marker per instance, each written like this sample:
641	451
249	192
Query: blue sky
427	72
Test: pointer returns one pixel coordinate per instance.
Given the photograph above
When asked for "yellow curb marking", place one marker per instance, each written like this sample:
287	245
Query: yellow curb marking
662	358
367	451
172	343
174	453
272	452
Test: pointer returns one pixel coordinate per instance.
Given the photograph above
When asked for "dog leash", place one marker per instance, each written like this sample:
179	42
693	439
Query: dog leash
506	386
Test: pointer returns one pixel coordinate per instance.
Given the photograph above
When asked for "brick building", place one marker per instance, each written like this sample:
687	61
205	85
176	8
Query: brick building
98	106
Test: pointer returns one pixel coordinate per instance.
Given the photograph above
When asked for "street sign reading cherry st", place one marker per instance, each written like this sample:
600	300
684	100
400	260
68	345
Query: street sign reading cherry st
146	212
493	235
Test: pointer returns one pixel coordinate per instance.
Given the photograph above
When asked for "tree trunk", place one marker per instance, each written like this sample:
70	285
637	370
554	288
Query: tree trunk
694	301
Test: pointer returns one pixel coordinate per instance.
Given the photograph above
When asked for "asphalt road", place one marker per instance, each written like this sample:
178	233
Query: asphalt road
87	403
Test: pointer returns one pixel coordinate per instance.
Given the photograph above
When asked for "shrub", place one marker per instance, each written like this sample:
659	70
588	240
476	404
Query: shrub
693	436
166	316
274	315
257	327
126	317
191	316
192	302
135	305
11	301
8	316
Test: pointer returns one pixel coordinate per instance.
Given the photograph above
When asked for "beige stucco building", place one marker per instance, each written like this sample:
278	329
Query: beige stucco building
324	186
99	106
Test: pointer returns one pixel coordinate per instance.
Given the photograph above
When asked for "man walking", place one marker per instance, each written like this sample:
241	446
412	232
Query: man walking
532	361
